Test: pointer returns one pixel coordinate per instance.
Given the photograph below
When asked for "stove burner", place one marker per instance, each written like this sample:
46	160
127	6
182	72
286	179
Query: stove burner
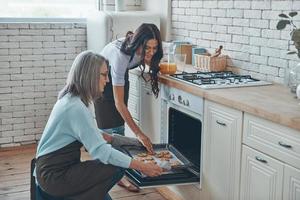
190	77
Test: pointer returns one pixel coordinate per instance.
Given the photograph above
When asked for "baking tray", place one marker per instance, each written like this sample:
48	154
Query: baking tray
182	162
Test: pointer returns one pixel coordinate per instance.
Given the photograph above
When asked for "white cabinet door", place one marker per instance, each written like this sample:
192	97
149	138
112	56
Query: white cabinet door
134	101
222	149
261	176
150	112
291	186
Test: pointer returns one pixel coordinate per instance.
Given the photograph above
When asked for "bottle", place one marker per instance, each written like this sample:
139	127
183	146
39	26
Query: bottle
168	65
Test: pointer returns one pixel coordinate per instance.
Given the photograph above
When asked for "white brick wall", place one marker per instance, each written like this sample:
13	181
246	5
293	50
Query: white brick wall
246	29
34	62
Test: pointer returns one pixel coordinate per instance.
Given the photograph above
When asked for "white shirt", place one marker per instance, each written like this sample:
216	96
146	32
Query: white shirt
118	61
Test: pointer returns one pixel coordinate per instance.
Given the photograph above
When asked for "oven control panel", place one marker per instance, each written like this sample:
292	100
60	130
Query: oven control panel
182	99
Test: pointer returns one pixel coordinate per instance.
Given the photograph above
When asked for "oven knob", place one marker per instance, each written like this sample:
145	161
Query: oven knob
180	99
171	97
187	103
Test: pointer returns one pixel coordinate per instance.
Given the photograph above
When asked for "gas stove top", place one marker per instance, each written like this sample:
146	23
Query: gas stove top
225	79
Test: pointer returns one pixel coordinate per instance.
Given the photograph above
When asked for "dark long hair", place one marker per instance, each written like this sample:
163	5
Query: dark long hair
139	38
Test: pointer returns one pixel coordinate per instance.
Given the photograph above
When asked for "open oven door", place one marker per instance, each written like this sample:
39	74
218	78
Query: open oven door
184	172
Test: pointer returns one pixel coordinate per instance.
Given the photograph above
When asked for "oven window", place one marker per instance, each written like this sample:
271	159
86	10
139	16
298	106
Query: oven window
185	135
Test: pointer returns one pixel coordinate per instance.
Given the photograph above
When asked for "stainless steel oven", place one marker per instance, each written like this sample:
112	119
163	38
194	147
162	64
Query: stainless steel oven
181	133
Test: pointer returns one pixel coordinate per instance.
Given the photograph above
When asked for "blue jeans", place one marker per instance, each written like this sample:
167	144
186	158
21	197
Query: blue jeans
116	130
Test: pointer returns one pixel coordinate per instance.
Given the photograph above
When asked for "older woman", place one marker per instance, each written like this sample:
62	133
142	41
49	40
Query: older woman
59	172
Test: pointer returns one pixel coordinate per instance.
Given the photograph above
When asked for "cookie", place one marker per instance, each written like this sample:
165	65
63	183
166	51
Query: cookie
175	163
142	154
165	159
151	161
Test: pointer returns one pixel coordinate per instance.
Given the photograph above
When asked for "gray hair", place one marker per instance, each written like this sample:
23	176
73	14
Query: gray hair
83	77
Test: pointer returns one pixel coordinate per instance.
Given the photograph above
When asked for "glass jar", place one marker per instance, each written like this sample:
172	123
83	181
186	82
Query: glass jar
168	65
294	78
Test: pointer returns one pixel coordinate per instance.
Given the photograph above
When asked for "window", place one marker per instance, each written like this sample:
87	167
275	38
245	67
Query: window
47	8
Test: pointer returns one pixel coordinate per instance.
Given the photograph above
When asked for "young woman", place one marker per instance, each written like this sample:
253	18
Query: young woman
59	172
141	48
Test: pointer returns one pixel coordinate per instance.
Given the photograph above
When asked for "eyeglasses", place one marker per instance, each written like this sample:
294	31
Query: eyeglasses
104	74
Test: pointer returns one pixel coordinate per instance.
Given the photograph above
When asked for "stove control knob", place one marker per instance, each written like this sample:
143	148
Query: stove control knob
171	97
180	99
187	103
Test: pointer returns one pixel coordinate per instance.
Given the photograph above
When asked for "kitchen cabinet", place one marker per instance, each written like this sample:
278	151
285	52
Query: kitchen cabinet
222	149
261	177
150	112
144	107
270	162
291	184
134	101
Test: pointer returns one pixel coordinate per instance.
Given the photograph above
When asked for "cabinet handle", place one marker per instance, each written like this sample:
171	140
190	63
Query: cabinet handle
220	123
260	159
285	145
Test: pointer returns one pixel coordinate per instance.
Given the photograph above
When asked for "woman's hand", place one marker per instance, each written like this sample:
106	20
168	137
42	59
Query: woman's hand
151	169
107	137
148	169
146	142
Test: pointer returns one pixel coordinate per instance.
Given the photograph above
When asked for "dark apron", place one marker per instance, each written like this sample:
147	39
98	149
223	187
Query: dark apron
62	174
107	115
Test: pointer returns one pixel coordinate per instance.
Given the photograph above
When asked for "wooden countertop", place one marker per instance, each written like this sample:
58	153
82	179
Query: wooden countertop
273	102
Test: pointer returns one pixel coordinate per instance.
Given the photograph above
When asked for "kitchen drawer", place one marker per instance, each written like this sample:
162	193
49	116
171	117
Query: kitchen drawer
273	139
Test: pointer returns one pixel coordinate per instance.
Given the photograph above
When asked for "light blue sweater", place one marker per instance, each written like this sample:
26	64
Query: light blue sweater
71	120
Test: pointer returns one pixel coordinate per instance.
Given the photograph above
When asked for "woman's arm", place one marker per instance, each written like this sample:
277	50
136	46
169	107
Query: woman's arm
118	92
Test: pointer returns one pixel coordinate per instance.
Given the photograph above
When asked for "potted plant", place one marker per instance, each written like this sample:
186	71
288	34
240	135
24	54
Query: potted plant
295	33
292	75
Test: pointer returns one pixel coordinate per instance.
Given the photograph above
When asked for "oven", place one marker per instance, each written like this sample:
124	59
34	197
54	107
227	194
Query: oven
181	132
182	124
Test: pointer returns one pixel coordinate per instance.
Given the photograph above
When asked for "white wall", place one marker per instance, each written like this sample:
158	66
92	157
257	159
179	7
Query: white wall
246	29
164	10
34	61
